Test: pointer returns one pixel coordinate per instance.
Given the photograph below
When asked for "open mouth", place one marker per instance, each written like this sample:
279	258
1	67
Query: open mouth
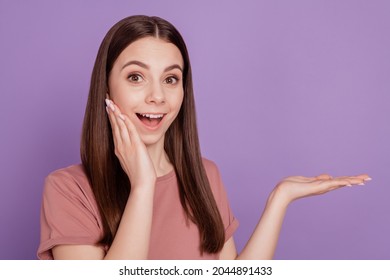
150	120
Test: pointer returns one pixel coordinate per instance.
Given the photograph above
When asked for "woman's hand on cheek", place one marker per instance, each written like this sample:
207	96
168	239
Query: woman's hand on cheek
295	187
130	149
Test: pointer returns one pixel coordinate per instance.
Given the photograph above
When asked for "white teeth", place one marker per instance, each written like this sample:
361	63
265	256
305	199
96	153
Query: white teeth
151	116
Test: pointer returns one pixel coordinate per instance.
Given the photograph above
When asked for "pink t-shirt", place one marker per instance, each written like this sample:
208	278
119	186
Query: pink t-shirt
69	215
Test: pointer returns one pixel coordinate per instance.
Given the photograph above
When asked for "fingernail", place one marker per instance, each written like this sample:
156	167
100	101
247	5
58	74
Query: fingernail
121	117
368	179
361	184
110	104
349	185
107	110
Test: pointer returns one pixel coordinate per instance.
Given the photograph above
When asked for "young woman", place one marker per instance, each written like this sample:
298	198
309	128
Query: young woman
143	191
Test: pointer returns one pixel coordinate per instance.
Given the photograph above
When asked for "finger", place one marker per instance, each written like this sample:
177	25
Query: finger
113	122
120	128
329	185
365	177
324	177
300	179
117	131
131	129
353	180
321	177
110	104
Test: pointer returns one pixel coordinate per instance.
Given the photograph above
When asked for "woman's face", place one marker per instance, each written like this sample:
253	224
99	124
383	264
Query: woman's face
146	83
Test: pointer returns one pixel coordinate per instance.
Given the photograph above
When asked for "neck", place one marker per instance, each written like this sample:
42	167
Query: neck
159	158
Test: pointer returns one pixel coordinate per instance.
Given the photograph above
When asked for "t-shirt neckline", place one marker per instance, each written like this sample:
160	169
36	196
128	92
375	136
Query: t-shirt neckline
166	177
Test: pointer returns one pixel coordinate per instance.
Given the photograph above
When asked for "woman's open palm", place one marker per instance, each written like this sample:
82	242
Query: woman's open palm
296	187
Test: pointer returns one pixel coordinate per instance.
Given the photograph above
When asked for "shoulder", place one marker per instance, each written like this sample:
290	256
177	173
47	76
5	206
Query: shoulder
68	189
213	176
221	198
75	172
69	181
210	167
69	213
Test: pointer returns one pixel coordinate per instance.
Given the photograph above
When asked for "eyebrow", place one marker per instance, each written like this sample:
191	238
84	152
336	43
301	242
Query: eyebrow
143	65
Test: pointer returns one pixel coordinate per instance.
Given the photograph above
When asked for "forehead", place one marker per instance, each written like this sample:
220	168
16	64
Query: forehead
151	51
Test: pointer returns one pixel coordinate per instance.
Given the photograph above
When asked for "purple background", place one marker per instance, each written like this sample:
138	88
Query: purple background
282	87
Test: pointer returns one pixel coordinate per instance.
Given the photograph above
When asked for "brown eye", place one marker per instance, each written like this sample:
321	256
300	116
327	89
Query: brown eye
171	80
135	78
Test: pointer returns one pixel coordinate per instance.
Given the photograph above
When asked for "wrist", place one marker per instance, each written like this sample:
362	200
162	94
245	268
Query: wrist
142	189
143	182
280	197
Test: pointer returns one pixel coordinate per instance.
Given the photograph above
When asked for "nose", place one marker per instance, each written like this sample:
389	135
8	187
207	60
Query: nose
156	95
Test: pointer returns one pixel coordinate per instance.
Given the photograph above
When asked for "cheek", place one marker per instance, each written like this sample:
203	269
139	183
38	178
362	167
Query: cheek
125	100
178	100
119	93
127	104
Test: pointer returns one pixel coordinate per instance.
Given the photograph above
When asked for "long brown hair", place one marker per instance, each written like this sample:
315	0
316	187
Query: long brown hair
109	182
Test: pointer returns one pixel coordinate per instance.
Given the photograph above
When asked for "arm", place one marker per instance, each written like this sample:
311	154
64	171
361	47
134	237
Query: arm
263	241
131	240
132	237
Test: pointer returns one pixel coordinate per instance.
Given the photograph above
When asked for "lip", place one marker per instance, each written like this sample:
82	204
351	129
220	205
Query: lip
151	128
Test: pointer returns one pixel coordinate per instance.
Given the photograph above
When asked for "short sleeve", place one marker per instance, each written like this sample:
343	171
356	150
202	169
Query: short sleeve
68	214
221	198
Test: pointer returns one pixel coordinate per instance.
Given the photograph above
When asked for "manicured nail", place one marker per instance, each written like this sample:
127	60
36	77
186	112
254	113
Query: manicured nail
368	179
349	185
361	184
110	104
107	110
121	117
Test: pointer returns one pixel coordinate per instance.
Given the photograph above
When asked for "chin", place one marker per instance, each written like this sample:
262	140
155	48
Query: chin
150	140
